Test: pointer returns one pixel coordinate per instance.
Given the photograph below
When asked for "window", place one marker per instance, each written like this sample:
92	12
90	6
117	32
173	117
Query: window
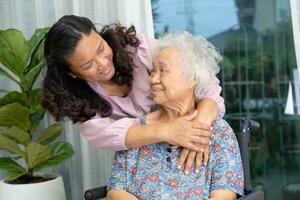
256	40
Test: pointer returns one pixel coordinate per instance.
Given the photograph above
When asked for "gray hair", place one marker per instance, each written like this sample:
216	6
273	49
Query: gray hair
199	58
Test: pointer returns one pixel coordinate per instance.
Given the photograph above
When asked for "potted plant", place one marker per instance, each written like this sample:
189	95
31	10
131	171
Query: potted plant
29	149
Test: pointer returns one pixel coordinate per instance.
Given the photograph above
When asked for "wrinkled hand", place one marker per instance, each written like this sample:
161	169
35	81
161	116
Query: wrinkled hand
188	158
184	132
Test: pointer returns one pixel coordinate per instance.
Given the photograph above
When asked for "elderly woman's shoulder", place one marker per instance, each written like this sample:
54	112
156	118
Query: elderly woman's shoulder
221	122
222	128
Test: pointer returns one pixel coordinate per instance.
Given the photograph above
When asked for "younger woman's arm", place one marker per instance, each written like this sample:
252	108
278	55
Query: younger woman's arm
128	133
209	107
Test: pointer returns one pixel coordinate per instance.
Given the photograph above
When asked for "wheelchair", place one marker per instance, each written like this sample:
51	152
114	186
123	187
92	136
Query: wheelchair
243	137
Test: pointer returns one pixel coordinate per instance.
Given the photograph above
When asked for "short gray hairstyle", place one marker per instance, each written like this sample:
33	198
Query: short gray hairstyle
199	58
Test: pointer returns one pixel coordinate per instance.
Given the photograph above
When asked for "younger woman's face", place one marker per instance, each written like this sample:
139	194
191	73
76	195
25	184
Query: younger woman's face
92	59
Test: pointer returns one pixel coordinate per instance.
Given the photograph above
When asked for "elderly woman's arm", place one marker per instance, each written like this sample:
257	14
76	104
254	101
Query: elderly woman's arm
117	184
119	194
227	178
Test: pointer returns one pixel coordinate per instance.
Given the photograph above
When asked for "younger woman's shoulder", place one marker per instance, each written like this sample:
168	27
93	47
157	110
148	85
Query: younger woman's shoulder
145	51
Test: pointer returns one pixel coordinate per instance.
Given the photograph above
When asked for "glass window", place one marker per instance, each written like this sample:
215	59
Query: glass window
256	41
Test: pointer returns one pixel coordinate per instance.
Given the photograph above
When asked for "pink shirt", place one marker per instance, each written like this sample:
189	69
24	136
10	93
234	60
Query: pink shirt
109	133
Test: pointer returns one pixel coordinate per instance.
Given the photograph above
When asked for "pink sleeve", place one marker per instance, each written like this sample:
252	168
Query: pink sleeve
213	91
146	50
106	133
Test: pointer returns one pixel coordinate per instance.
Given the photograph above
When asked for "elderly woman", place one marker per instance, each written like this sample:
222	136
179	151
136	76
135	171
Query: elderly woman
183	67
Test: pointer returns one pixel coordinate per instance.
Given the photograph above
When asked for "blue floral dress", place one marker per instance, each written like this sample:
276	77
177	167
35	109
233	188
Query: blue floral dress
150	172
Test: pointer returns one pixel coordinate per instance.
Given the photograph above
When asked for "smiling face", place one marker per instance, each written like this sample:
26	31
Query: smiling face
92	59
168	83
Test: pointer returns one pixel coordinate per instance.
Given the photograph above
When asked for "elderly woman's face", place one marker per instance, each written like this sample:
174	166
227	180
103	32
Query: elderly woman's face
167	80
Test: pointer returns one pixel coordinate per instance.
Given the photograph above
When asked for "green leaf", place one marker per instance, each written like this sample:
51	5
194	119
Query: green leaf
10	146
49	134
14	170
37	37
60	152
14	97
12	175
3	91
16	157
8	163
28	80
14	51
15	115
37	111
7	58
36	60
19	136
35	98
35	44
37	153
7	75
37	117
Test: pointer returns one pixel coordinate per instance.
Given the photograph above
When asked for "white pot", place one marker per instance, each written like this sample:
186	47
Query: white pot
49	190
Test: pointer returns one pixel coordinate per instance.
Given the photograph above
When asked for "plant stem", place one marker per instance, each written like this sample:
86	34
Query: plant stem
30	171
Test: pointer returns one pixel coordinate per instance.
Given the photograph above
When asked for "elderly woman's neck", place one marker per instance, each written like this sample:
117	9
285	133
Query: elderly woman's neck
174	110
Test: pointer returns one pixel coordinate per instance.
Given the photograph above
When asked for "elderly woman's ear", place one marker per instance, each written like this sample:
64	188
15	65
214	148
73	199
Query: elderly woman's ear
193	83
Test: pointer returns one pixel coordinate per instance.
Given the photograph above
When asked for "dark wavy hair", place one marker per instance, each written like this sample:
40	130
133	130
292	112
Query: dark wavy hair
64	96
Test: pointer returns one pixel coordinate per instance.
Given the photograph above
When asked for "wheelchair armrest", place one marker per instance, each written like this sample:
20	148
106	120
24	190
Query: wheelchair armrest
95	193
256	195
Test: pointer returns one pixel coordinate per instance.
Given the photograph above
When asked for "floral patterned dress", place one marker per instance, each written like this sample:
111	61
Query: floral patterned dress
150	172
